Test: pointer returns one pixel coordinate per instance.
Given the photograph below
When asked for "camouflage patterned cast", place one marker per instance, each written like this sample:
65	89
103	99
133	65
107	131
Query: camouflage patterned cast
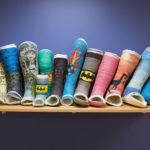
28	54
9	58
3	84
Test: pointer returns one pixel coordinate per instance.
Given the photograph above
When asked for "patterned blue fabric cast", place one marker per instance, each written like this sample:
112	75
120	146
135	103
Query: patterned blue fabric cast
146	91
141	74
10	60
11	63
74	67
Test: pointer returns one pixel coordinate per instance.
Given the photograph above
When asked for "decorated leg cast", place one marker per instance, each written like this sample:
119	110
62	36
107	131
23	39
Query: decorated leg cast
74	67
41	90
104	76
46	66
9	58
3	84
87	76
128	62
146	92
60	70
132	92
28	54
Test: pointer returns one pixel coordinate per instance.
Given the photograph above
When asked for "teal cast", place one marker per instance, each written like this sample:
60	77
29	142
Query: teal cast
74	66
46	66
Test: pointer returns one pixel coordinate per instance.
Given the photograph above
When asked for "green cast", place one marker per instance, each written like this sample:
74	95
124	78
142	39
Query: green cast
46	66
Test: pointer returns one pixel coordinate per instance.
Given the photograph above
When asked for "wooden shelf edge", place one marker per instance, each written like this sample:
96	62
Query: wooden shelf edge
74	109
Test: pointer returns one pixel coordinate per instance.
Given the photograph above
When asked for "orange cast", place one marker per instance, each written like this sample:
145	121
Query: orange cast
128	62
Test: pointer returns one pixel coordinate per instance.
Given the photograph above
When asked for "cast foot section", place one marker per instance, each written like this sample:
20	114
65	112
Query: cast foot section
81	99
114	100
53	100
135	99
97	100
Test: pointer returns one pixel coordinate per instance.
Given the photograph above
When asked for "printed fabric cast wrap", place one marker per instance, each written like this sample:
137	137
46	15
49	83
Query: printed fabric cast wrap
104	76
132	92
87	76
60	70
41	90
74	67
9	58
3	84
128	62
28	54
46	66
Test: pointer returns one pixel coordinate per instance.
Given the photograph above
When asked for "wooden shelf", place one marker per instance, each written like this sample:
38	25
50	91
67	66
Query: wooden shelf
74	109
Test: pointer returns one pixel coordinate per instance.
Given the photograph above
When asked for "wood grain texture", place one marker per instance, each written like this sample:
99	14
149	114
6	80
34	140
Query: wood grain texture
75	109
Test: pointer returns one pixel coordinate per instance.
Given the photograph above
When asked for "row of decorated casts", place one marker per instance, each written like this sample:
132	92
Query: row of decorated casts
88	77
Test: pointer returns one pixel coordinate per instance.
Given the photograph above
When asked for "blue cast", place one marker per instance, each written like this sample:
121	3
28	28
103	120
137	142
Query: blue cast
9	57
146	91
141	74
74	67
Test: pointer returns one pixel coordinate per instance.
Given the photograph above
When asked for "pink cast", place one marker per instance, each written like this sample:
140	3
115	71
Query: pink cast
104	76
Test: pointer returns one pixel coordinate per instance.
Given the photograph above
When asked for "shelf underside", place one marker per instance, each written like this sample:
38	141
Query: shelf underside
74	109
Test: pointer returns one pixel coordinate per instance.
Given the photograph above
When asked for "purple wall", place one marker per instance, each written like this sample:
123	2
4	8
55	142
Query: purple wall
110	25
